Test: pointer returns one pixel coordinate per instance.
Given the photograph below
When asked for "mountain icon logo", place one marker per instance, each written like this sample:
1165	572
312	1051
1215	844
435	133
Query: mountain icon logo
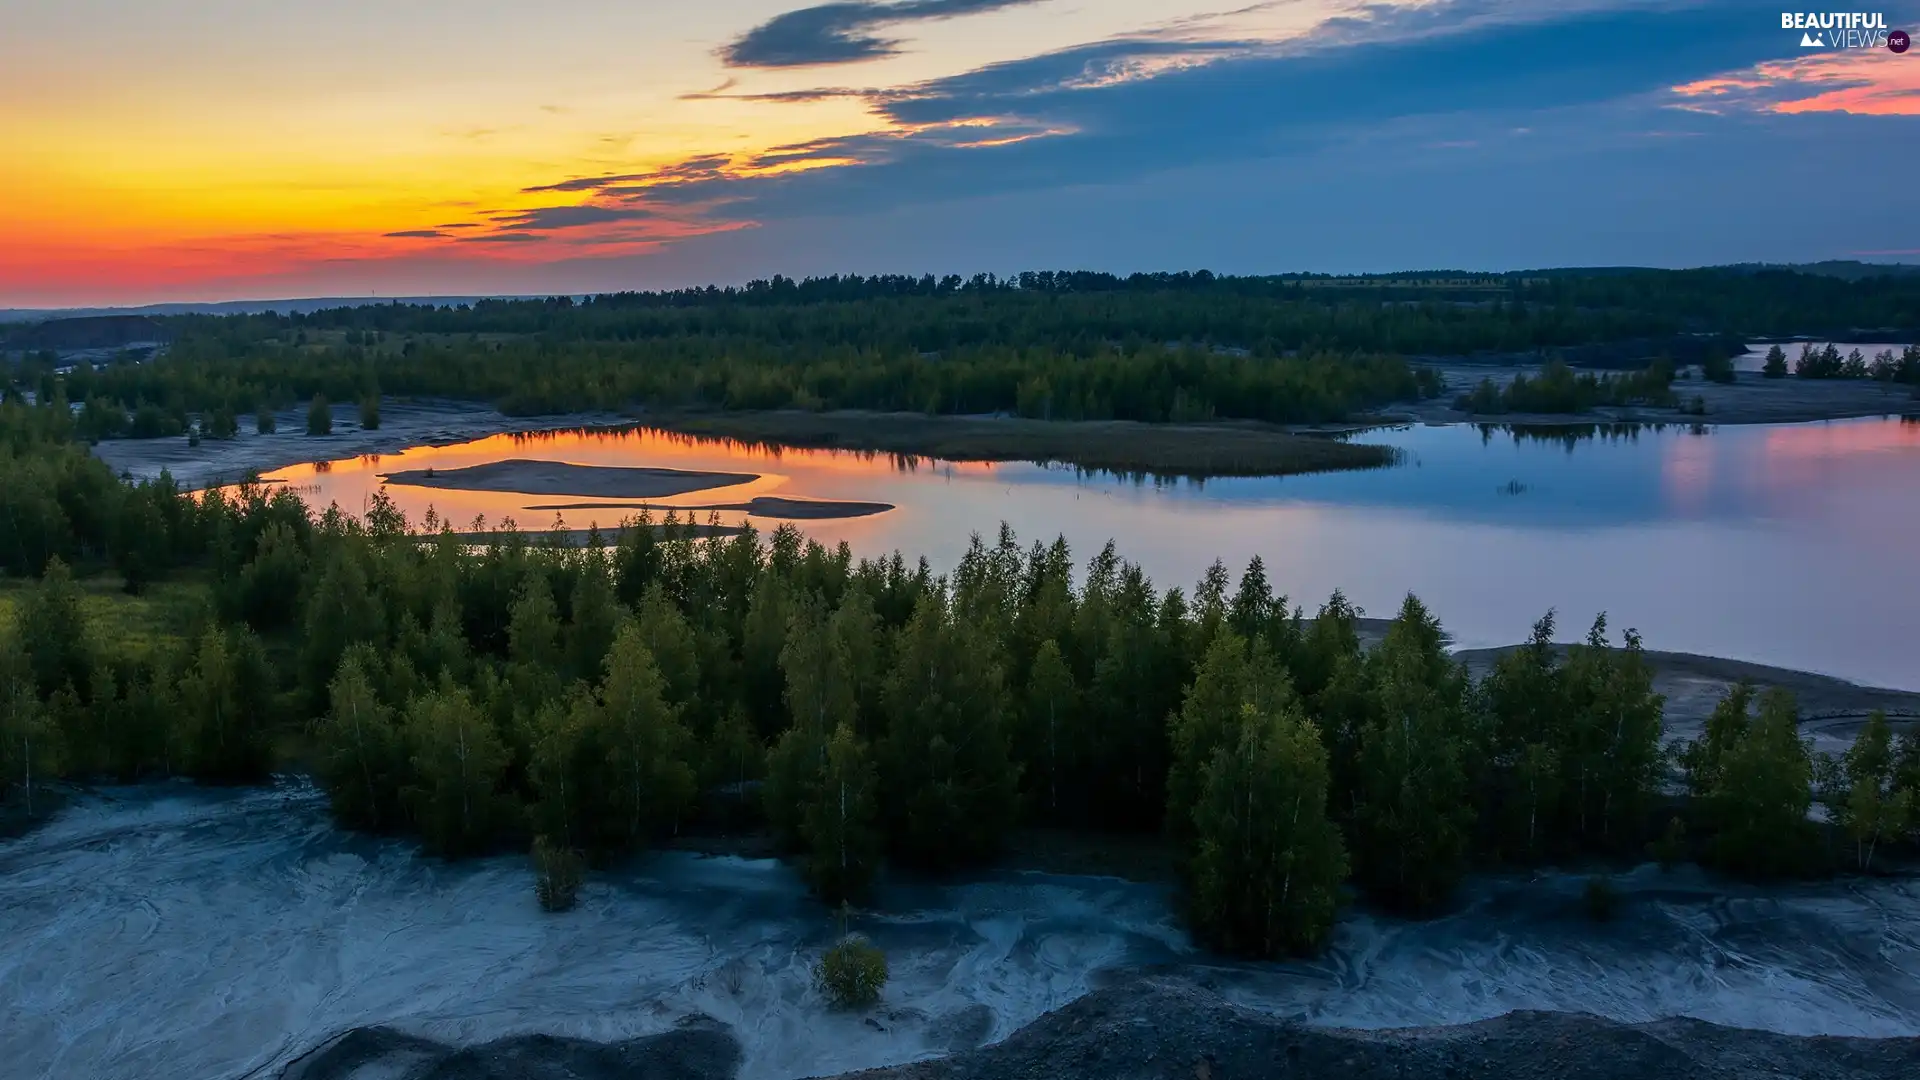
1812	41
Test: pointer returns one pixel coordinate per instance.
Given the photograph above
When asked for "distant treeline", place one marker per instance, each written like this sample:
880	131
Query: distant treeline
1149	347
504	695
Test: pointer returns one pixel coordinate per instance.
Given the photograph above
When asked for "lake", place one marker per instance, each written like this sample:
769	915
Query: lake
1789	544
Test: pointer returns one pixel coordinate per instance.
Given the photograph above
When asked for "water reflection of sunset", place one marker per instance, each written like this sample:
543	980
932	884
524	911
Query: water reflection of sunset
793	473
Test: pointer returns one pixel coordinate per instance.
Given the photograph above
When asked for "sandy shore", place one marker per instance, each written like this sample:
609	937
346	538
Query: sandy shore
609	535
402	424
1749	399
531	477
1832	710
1120	446
766	506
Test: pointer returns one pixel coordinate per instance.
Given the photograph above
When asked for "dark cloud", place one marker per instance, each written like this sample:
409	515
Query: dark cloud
785	97
695	168
550	218
1387	96
842	33
418	234
502	238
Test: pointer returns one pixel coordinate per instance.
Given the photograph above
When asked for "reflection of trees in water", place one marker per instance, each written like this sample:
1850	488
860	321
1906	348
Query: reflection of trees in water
1571	435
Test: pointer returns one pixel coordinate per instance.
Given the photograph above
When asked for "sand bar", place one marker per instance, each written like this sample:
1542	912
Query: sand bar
765	506
531	477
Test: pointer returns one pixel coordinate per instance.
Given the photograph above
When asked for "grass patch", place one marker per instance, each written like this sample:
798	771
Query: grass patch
123	625
1118	446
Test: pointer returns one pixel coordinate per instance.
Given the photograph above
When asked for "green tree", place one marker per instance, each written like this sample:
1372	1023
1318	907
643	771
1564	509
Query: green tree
458	762
647	748
1759	800
360	754
1703	759
264	422
369	413
1050	734
1871	804
1416	808
226	703
319	416
1268	871
947	780
53	631
29	738
839	827
1611	754
1776	365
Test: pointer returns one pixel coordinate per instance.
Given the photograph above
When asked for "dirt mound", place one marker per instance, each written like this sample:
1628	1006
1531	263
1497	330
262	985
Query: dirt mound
1165	1028
699	1050
1170	1029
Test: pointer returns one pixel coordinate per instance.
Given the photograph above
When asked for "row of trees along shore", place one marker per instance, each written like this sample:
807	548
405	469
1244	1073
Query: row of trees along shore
1827	363
1060	345
485	697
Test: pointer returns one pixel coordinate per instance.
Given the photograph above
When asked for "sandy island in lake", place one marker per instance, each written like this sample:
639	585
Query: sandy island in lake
530	477
765	506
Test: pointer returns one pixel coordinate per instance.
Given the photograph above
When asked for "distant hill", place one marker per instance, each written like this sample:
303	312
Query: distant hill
87	332
300	306
1844	269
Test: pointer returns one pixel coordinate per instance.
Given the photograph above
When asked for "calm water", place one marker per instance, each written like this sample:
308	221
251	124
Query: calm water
1783	544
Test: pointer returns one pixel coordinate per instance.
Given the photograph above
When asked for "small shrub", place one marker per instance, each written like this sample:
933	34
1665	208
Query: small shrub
319	416
557	874
1601	899
370	412
852	973
1718	369
264	422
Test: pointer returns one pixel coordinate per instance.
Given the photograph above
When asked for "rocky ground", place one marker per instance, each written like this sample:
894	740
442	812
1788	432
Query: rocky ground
1154	1028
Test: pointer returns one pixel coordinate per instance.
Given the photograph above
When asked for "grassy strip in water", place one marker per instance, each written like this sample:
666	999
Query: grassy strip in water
1119	446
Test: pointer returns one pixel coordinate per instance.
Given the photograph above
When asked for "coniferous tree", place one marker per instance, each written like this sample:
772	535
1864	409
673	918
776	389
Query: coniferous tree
53	631
1416	809
947	781
1050	734
319	416
1269	864
1776	365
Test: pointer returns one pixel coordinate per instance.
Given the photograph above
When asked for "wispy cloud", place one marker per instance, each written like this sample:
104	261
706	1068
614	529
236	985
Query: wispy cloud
842	33
417	234
1869	82
550	218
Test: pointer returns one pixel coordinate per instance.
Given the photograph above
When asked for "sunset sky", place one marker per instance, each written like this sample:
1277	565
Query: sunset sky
158	150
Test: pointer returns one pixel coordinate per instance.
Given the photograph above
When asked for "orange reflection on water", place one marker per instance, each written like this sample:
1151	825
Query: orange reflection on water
792	473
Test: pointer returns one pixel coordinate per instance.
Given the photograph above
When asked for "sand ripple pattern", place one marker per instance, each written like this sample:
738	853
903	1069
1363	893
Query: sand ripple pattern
218	935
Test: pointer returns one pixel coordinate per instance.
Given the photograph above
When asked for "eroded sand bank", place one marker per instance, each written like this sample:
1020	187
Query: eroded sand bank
528	476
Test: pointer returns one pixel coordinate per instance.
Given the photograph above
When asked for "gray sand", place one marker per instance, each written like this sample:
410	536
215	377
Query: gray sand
521	475
766	506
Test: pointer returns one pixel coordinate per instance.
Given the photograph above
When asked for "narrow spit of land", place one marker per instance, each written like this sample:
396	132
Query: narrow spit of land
1214	449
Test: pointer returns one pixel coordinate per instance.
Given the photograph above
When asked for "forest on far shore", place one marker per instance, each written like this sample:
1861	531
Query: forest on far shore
586	703
1048	345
